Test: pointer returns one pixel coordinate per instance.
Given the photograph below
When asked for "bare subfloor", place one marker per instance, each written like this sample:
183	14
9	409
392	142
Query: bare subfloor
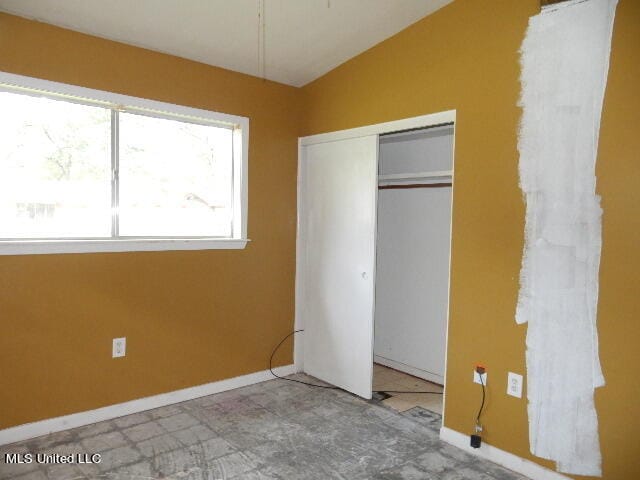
272	430
389	380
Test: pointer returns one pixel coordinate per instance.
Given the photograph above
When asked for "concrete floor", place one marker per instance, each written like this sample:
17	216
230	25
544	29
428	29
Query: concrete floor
273	430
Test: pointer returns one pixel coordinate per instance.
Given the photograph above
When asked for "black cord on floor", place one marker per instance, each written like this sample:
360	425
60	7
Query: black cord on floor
331	387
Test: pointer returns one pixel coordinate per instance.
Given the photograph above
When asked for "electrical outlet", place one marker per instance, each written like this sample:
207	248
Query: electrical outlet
476	378
514	385
119	347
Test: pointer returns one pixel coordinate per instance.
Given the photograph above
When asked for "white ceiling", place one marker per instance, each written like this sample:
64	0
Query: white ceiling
303	39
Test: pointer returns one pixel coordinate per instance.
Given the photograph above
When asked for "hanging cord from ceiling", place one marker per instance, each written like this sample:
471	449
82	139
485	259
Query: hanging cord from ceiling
262	39
329	387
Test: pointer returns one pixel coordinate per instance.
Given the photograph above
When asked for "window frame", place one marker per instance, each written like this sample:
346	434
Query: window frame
117	102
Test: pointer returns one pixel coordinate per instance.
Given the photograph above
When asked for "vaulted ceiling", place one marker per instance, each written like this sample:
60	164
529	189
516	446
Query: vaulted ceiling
288	41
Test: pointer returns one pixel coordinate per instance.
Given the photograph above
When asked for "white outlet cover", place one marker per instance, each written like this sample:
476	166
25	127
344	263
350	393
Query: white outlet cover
476	378
514	385
119	347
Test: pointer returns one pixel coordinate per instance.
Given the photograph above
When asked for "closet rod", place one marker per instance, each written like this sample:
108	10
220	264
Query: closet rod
414	185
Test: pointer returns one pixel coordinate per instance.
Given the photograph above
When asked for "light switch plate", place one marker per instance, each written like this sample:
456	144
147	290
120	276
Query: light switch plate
514	385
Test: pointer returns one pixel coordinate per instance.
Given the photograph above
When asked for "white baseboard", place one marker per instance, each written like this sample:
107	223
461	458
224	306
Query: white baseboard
505	459
416	372
44	427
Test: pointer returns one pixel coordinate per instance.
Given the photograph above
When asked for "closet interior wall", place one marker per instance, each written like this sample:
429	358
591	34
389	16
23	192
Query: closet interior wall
412	251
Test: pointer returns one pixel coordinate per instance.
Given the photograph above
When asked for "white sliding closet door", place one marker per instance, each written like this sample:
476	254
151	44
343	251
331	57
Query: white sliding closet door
336	255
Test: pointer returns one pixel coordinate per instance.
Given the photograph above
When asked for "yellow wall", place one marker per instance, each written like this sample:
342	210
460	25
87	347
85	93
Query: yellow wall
196	317
189	317
465	57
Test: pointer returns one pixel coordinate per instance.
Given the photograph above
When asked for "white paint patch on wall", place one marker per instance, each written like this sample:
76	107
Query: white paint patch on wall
565	60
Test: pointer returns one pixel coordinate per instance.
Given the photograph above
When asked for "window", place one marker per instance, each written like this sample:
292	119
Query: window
83	170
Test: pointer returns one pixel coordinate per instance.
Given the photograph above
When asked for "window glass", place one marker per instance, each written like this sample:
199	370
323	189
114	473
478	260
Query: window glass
175	178
55	169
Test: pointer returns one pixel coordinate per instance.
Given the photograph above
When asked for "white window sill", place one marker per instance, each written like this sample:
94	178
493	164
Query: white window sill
38	247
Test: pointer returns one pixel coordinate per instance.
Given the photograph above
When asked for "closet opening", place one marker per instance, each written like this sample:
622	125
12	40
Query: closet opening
413	240
372	258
